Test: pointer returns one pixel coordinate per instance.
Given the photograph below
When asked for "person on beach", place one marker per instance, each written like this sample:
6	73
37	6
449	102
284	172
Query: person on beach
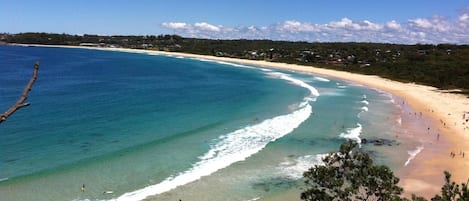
83	188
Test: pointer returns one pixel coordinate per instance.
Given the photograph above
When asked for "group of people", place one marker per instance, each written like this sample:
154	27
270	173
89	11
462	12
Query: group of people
461	153
465	120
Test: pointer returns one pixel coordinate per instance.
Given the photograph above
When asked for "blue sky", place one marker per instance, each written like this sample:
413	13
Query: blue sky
396	21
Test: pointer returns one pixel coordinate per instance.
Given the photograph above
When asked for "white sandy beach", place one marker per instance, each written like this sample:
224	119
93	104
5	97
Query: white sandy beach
424	176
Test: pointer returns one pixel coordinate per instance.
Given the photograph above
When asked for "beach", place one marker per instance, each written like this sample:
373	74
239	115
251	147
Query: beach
441	111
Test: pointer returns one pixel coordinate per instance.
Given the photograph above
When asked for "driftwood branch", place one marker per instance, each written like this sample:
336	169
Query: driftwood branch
20	102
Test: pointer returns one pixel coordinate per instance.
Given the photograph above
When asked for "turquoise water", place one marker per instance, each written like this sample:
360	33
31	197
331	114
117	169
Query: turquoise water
138	125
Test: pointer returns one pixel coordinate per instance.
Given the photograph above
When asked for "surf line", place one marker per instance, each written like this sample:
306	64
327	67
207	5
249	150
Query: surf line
234	147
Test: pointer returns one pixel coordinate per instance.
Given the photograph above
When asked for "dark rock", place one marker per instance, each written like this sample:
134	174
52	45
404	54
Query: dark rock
379	142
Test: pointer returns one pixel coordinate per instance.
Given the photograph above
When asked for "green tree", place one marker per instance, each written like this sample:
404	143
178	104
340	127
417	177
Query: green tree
350	175
452	191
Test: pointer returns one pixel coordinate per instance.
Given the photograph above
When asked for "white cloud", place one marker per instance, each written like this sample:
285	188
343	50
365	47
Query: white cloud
175	25
393	25
206	26
295	26
367	25
422	23
344	23
464	17
435	29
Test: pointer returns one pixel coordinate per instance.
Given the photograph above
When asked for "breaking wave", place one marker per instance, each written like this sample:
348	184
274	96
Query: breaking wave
235	146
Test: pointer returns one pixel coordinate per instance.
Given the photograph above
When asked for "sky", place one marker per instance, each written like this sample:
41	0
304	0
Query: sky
389	21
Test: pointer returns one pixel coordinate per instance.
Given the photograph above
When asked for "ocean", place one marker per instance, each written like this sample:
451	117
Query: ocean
133	126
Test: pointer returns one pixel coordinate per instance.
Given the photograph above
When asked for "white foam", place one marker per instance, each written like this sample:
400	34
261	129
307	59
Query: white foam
364	109
295	169
332	93
230	64
412	154
254	199
283	76
266	70
233	64
392	100
342	87
298	82
153	54
321	79
388	95
399	121
231	148
4	179
200	59
353	133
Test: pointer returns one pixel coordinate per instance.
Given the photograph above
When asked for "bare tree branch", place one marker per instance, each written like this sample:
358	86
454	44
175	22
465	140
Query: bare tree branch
20	102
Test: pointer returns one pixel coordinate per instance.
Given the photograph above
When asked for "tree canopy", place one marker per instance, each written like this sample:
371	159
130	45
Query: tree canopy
350	175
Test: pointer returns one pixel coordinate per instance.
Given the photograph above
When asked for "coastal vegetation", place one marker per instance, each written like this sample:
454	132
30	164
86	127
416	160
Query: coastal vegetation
444	66
351	175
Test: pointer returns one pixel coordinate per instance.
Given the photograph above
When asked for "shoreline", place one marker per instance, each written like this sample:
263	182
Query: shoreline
424	175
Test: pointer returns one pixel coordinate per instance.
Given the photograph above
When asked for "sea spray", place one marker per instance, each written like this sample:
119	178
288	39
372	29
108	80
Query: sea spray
295	168
353	133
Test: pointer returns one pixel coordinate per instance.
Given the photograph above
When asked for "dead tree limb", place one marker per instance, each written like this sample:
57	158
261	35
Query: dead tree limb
20	102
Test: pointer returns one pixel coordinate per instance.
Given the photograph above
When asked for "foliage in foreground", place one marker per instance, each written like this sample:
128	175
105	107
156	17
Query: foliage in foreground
351	175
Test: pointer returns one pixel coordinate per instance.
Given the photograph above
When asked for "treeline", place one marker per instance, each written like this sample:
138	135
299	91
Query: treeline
444	66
